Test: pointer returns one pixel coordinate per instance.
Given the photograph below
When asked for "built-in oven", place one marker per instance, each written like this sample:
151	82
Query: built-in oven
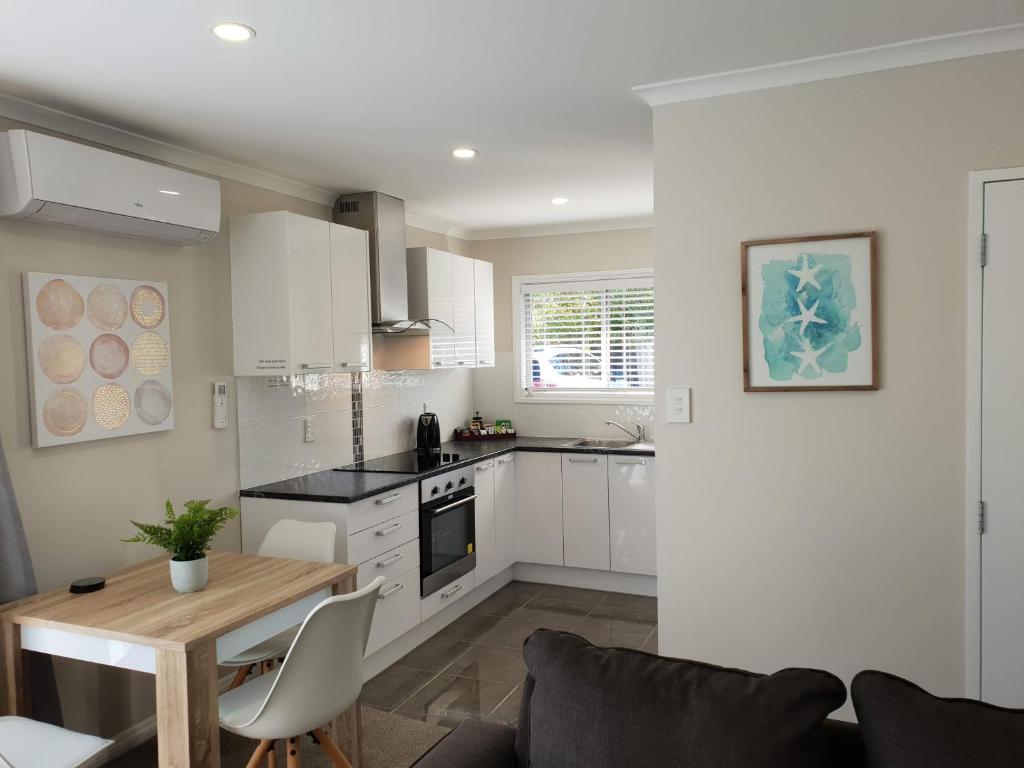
447	529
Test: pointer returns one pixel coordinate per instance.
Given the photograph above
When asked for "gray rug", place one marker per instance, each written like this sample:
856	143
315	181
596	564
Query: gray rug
389	741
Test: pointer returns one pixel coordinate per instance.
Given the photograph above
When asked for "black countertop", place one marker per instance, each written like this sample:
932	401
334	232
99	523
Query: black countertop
345	487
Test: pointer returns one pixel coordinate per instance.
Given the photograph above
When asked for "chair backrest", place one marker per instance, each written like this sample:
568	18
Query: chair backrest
322	674
296	540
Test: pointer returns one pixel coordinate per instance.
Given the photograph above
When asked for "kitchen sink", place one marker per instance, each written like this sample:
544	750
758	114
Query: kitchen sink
599	442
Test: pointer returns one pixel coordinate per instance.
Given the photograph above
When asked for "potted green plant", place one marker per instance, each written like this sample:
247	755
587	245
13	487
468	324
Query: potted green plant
187	538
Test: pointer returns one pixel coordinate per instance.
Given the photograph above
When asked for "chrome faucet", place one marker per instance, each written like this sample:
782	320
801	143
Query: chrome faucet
640	435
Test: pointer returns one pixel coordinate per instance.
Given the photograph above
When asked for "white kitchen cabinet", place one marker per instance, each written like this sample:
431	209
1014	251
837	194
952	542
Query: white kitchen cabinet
483	305
486	534
538	480
464	311
631	514
350	298
397	611
431	296
585	511
281	294
449	595
505	510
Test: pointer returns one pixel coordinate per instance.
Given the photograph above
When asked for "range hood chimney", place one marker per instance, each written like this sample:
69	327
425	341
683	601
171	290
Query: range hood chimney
383	217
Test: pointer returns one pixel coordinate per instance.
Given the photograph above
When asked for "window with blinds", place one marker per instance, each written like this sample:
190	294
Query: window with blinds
586	336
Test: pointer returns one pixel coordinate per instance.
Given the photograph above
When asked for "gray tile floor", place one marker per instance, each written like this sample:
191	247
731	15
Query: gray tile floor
474	667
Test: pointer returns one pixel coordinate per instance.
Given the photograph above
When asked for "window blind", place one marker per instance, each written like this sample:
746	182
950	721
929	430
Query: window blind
587	335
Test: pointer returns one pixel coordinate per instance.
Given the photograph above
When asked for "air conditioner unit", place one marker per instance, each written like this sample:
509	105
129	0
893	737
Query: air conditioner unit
46	179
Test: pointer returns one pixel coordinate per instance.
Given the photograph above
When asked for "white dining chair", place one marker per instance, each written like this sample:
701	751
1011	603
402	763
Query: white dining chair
294	540
28	743
321	677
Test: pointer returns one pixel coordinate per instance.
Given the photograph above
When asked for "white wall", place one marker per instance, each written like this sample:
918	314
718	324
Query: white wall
823	529
494	388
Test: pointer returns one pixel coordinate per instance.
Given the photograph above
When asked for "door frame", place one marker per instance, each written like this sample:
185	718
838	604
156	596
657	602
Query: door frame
975	307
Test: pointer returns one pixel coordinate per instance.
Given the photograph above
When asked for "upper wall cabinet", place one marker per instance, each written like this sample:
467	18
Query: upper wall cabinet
464	310
483	290
299	295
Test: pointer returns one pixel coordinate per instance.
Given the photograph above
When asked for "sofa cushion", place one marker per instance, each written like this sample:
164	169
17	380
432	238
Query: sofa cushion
903	725
612	707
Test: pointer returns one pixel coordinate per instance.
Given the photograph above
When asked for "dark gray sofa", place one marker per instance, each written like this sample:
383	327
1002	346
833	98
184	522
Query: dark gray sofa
630	700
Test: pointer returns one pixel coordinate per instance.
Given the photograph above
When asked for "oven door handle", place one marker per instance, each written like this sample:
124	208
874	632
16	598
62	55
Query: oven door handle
453	505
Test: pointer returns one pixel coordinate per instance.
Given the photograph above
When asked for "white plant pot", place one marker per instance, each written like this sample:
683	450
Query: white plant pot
190	575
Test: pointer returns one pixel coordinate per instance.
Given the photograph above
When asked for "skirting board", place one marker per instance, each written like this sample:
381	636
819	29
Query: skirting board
630	584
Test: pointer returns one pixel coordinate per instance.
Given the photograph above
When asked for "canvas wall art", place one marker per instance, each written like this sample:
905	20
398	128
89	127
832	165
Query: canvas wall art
809	313
100	357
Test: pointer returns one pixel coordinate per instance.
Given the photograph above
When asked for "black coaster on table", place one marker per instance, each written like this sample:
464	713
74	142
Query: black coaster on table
91	584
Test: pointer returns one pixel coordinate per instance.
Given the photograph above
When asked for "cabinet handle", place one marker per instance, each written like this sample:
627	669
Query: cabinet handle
315	366
352	365
437	363
389	592
453	591
631	461
582	461
462	362
505	460
391	529
486	362
484	467
389	499
390	561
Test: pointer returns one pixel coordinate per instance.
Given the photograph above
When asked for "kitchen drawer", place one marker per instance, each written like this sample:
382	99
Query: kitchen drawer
383	536
397	611
390	564
444	597
367	513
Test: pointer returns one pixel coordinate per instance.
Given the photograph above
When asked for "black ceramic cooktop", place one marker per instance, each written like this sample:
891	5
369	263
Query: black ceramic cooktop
410	462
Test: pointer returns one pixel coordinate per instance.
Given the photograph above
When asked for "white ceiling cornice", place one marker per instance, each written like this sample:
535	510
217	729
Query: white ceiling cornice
564	228
432	225
926	50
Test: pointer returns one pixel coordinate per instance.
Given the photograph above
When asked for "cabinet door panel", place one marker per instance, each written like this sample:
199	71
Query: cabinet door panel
585	511
439	307
463	312
486	539
350	298
483	289
309	292
631	511
505	509
539	508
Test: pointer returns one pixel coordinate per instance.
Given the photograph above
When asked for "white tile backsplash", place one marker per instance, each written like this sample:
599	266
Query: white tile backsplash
271	419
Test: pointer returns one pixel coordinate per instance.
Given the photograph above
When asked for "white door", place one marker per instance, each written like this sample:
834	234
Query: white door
505	509
463	312
539	508
631	514
350	298
486	542
483	288
309	275
585	511
1002	446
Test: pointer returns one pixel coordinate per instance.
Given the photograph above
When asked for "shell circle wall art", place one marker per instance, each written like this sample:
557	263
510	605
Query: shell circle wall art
99	357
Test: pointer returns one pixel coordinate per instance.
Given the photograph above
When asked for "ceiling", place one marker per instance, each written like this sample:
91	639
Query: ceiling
348	95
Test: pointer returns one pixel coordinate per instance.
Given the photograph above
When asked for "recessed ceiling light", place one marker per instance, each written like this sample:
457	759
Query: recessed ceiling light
465	153
233	32
169	192
559	200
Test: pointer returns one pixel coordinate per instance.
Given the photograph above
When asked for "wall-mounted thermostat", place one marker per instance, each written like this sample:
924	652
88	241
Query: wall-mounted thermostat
220	404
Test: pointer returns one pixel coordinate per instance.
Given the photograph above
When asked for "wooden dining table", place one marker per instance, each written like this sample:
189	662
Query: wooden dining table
139	622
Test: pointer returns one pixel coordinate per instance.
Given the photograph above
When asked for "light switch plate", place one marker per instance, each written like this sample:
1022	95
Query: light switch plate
677	400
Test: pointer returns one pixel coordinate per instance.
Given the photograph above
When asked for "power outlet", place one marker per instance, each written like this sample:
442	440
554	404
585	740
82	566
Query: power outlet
677	401
307	431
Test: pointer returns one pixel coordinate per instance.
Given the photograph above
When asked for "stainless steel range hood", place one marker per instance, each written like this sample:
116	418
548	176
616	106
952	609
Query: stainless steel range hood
383	217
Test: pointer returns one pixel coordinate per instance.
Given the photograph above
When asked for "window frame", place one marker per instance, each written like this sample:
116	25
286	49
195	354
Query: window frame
580	396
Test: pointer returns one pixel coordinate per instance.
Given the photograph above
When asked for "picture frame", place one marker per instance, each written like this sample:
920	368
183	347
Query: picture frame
809	313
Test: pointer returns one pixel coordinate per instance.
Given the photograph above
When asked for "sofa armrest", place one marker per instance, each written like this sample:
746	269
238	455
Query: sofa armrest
473	744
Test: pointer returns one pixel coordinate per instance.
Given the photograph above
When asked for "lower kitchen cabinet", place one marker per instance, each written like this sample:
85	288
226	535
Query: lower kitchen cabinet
505	509
486	538
539	508
398	609
449	595
585	511
631	512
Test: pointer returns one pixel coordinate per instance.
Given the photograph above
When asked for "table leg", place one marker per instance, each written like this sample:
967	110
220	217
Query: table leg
347	730
187	722
12	681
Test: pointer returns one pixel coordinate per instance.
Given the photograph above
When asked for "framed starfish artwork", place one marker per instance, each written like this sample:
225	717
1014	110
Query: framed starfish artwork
809	313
